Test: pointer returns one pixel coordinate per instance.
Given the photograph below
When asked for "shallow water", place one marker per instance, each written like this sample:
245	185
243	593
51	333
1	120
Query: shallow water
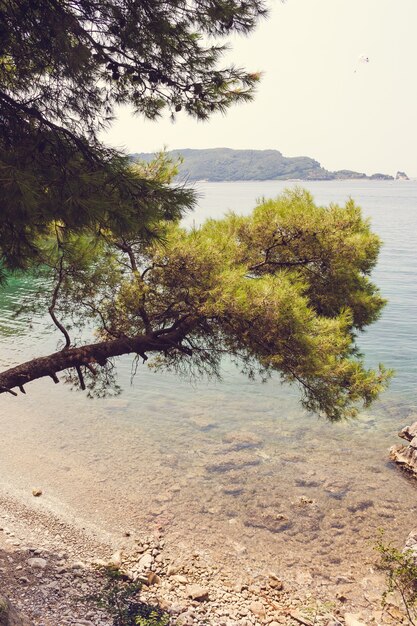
306	495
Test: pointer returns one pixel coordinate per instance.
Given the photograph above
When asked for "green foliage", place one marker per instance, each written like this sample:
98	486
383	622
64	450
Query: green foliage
400	567
119	598
284	291
64	67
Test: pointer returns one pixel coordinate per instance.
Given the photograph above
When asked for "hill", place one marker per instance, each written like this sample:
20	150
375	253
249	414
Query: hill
225	164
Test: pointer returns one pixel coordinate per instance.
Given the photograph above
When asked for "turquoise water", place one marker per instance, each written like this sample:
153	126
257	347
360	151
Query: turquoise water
154	457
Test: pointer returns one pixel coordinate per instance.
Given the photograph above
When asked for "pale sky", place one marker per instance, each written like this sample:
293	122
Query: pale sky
311	101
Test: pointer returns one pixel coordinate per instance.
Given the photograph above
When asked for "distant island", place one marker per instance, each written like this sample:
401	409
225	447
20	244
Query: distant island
225	164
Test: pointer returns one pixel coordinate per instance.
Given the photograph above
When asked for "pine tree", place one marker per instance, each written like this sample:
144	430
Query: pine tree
64	66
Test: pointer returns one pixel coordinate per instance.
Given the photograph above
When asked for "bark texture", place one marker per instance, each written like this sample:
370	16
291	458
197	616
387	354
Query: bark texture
87	355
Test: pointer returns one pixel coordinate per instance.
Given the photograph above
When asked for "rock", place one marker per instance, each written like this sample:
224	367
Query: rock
197	592
409	432
353	620
360	506
411	541
116	559
9	616
269	519
36	492
406	456
145	562
275	583
233	461
241	439
203	423
37	563
172	570
182	580
184	620
401	176
153	579
258	609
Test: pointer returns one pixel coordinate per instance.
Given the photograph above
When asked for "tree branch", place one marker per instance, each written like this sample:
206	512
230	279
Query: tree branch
89	355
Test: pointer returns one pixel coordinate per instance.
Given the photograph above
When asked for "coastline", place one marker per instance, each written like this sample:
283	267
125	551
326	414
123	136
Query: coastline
53	593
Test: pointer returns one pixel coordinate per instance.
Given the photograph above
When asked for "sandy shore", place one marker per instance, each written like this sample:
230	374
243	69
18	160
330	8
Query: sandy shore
47	570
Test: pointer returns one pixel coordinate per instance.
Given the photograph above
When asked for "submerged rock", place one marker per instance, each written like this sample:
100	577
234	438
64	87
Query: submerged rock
406	456
233	461
241	439
268	519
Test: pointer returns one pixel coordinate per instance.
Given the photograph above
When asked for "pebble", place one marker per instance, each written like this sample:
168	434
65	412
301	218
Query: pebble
182	580
145	561
37	563
197	592
258	609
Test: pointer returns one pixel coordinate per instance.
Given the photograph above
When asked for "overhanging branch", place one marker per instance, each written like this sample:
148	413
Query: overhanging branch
87	356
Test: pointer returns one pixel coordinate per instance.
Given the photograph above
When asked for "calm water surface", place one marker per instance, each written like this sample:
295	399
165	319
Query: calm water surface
308	495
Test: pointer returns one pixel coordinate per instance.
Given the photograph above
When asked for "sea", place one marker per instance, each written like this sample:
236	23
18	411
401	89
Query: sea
234	468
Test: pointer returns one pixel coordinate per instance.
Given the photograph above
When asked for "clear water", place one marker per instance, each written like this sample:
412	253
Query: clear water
310	496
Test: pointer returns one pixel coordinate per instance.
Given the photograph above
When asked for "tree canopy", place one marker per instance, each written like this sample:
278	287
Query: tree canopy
284	290
281	291
64	66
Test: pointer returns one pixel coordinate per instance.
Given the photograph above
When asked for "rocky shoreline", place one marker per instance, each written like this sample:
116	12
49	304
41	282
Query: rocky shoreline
406	456
48	570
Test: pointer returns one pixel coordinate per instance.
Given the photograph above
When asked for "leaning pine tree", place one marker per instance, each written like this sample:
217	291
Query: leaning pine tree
282	291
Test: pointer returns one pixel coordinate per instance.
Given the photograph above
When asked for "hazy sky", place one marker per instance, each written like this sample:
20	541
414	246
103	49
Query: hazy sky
310	100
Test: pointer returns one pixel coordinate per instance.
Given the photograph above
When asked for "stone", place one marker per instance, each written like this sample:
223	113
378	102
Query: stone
411	541
409	432
258	609
36	492
241	439
352	619
145	561
116	559
275	583
9	616
172	570
269	519
182	580
233	461
37	563
406	456
153	579
197	592
203	423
